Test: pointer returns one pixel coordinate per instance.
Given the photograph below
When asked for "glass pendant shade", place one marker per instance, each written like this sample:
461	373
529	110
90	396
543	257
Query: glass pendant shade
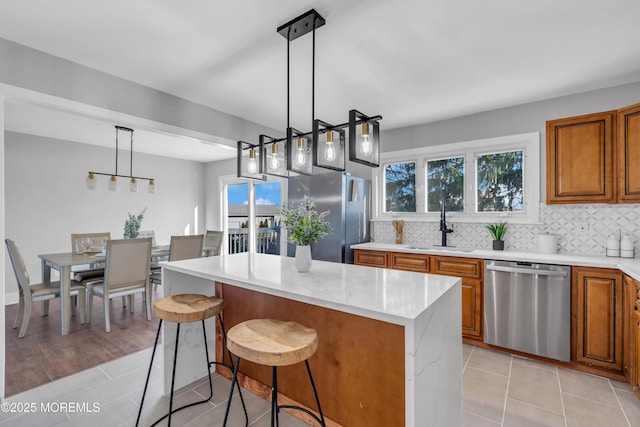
252	166
152	187
301	155
274	161
249	161
133	185
91	181
299	152
113	183
328	149
364	140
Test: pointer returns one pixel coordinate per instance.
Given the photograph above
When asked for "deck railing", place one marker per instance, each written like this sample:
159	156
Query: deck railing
267	240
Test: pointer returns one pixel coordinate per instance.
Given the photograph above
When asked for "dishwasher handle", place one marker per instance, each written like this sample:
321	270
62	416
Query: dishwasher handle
527	271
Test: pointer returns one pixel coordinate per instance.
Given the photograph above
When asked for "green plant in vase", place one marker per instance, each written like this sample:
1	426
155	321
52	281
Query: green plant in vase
132	225
498	231
305	226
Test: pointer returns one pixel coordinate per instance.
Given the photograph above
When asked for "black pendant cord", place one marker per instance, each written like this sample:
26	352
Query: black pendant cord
116	150
288	82
313	74
131	161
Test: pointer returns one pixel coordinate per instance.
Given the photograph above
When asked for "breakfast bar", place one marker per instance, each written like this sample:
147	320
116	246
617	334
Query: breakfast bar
389	352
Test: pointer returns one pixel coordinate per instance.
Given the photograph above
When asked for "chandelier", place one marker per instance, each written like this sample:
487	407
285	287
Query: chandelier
113	177
323	145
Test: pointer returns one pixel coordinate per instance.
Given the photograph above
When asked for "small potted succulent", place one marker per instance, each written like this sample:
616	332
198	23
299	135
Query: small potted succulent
498	231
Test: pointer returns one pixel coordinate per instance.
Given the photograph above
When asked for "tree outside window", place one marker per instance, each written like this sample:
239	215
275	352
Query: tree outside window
445	179
400	187
500	182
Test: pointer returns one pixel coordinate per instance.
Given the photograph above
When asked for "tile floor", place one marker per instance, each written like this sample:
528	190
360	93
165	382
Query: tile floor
498	390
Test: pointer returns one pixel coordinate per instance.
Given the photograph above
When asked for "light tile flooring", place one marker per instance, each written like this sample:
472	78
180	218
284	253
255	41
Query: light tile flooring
498	390
509	391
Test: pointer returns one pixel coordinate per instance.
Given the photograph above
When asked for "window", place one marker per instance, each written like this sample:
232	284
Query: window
480	181
445	180
499	182
400	187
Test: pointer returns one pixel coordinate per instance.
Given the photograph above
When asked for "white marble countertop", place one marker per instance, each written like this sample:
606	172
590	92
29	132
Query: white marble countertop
392	296
630	266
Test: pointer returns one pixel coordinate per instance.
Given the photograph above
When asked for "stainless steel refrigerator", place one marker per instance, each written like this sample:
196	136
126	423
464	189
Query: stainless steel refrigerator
348	199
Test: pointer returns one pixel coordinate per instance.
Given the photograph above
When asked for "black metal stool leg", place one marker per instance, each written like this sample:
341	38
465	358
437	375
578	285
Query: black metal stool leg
315	393
146	383
274	396
173	374
224	338
319	419
233	384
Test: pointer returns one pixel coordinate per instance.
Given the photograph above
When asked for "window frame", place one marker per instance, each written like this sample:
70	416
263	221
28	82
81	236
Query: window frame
529	143
384	187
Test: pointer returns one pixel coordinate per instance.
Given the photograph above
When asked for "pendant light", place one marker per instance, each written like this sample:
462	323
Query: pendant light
325	145
113	177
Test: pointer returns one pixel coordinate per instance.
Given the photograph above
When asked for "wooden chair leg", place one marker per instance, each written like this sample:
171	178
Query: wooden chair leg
18	320
89	304
82	299
45	308
26	315
107	320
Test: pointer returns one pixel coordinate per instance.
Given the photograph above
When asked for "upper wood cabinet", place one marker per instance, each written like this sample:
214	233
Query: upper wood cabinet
580	159
629	154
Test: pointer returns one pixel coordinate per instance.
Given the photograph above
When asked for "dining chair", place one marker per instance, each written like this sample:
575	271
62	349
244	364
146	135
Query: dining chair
213	242
39	292
89	243
181	247
126	272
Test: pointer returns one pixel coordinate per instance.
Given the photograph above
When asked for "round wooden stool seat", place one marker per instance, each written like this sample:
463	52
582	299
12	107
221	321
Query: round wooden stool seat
186	308
272	342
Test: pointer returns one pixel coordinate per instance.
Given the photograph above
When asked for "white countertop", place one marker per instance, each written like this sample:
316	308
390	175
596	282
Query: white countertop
630	266
392	296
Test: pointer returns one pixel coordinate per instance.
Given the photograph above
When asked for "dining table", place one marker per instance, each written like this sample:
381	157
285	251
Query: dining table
63	263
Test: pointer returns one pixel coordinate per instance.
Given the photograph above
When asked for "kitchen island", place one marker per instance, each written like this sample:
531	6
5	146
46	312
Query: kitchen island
389	353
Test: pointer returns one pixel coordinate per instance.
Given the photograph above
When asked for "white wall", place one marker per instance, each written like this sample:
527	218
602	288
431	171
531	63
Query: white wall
47	200
3	264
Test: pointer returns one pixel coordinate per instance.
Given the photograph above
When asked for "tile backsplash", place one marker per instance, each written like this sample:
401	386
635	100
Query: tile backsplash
581	229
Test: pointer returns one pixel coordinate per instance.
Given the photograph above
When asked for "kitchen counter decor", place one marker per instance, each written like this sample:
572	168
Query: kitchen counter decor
305	226
498	231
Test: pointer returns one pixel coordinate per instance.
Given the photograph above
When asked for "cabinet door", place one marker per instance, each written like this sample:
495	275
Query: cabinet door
471	271
472	306
370	258
634	373
409	262
580	159
598	309
628	322
629	154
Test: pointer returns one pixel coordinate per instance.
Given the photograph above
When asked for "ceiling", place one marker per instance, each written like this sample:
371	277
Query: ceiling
411	61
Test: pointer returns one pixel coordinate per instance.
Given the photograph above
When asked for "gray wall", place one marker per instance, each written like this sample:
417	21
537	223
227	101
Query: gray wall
523	118
47	200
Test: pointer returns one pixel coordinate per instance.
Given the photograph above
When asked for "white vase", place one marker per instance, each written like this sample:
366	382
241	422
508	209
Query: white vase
303	258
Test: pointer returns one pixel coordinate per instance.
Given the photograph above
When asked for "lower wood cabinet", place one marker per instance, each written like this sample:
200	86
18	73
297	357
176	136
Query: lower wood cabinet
634	342
370	258
471	271
409	262
597	306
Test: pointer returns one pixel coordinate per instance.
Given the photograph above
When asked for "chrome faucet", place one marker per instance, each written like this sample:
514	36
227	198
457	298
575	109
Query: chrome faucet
443	224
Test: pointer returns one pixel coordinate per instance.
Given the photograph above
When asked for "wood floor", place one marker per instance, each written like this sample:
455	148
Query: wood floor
43	355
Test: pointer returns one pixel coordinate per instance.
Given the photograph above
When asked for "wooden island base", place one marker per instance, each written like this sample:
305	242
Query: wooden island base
358	368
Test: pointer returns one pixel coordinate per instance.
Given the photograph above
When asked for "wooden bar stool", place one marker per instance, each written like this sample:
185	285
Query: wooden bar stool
187	308
273	343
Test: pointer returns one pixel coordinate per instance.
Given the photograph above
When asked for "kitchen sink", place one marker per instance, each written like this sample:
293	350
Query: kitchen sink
440	248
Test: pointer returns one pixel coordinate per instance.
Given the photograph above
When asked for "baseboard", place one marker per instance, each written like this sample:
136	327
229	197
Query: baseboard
11	298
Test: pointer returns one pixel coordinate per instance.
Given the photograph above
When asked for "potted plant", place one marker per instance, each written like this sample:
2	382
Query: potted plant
132	225
498	231
304	226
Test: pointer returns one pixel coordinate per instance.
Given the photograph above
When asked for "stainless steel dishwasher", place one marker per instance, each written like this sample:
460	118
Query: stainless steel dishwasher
527	307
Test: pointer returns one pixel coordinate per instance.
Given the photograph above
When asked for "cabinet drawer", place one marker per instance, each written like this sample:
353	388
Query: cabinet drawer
409	262
460	267
370	258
